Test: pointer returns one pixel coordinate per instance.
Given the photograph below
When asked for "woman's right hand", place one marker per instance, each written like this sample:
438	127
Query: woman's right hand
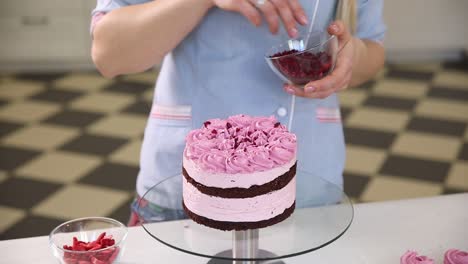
290	12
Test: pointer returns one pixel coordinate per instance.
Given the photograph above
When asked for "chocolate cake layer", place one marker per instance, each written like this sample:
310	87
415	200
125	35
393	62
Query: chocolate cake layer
237	192
227	226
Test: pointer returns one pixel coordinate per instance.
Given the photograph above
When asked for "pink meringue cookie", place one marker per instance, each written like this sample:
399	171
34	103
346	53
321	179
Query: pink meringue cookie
411	257
455	256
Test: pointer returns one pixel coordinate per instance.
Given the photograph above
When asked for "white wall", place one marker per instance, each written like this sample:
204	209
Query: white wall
420	29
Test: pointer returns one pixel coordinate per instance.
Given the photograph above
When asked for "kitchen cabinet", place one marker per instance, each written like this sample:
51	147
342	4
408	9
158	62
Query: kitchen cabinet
45	35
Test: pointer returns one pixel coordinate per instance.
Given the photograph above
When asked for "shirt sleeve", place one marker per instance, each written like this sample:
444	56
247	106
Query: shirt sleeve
105	6
371	25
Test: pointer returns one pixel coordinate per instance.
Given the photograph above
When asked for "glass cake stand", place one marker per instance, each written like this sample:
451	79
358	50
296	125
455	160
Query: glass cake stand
323	214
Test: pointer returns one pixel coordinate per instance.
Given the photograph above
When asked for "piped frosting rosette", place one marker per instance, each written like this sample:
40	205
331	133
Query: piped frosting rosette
412	257
241	144
455	256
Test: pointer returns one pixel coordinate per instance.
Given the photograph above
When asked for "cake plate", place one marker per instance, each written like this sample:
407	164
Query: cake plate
323	214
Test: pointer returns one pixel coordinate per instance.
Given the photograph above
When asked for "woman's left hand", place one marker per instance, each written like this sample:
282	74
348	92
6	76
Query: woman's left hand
340	78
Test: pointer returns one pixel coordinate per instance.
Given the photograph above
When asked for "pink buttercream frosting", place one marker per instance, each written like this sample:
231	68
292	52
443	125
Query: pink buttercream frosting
454	256
252	209
411	257
240	144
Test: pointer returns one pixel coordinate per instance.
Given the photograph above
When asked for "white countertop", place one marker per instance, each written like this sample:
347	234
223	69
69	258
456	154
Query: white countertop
381	233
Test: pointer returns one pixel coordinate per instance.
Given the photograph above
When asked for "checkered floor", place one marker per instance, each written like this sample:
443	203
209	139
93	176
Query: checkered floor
69	143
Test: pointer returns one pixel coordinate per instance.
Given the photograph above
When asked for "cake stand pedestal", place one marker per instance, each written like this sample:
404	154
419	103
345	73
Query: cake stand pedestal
323	214
245	246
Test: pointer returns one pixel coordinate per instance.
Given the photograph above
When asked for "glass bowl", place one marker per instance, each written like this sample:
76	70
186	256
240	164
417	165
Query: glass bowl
87	230
307	58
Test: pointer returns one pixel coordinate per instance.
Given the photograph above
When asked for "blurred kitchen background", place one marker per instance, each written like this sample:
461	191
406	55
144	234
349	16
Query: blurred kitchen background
70	139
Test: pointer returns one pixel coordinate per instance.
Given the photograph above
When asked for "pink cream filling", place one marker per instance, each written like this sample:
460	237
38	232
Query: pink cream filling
262	207
241	180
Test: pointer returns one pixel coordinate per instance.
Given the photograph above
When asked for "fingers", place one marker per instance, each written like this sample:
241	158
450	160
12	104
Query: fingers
338	80
317	94
294	90
290	12
298	12
271	16
289	22
298	91
343	68
249	11
339	29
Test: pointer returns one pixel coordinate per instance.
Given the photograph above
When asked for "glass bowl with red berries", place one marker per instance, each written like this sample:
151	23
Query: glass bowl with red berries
90	240
307	58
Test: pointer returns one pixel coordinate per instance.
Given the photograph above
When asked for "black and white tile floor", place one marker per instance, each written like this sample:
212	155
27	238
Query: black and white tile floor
69	143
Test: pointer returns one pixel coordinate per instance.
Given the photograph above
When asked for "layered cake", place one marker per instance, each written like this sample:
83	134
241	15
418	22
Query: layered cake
239	173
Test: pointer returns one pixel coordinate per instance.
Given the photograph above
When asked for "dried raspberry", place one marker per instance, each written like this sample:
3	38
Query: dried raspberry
101	242
304	66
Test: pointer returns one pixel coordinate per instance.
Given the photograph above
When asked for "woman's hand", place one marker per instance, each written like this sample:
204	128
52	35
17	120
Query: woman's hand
340	77
290	12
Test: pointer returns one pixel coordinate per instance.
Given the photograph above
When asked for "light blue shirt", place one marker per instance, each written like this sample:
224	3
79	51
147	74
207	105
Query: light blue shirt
219	70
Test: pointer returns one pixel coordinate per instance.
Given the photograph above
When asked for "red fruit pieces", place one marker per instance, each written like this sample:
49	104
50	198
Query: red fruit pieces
98	261
70	260
100	237
75	242
114	255
283	53
102	257
107	242
302	67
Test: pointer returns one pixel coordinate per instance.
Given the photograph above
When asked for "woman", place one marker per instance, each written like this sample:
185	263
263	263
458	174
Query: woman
213	67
